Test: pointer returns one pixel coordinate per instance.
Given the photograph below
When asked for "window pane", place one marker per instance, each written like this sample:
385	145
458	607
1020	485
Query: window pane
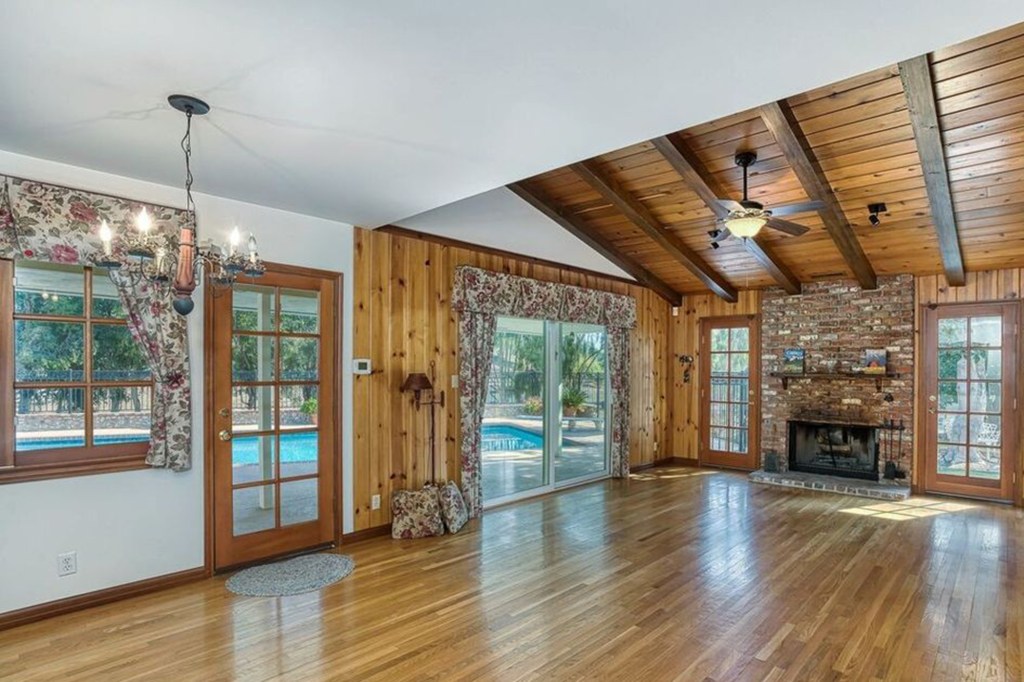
299	359
986	429
49	418
738	418
252	358
720	439
300	311
121	415
952	460
953	396
299	454
253	307
986	396
48	351
719	414
739	339
720	363
953	332
719	389
986	364
49	289
952	364
739	364
252	408
985	462
116	356
106	302
952	428
719	339
299	407
737	440
252	458
986	331
740	390
253	509
299	501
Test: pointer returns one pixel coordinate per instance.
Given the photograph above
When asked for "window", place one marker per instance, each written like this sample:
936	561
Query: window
76	384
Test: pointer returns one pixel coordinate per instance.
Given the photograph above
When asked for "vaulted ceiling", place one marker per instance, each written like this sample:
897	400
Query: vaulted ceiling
939	139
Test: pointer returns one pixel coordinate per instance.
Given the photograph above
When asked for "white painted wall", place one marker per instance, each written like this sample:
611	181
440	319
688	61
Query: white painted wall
136	525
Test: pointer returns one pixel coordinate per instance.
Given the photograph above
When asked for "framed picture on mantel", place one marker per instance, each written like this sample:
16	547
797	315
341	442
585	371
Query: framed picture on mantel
793	361
874	361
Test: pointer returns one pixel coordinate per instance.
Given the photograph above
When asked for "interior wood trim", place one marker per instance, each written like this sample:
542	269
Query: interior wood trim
366	534
782	124
916	75
489	250
31	614
6	368
666	462
688	166
576	227
639	215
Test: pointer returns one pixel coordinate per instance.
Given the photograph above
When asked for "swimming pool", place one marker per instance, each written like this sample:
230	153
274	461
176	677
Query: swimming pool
295	447
509	438
27	444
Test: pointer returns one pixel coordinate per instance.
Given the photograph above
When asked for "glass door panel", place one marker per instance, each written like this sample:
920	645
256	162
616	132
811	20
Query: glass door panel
513	456
581	450
729	392
275	441
969	385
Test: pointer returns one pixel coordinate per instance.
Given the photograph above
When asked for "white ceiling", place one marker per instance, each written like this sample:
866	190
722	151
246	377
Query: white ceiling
370	112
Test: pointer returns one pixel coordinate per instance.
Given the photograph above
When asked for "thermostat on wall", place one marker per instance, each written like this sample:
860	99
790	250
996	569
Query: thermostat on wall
362	366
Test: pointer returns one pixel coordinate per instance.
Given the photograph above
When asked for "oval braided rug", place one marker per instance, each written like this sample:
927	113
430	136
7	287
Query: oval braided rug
291	576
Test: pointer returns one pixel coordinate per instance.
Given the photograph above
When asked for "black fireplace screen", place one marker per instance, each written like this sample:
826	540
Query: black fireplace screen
837	449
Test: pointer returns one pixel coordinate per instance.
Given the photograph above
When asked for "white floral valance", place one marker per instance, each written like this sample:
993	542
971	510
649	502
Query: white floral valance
40	221
498	293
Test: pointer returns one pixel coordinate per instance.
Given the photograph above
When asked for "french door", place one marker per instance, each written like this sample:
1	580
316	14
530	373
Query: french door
272	359
970	399
546	419
730	392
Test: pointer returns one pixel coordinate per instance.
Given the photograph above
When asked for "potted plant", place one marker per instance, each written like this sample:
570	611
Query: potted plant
312	408
572	401
533	406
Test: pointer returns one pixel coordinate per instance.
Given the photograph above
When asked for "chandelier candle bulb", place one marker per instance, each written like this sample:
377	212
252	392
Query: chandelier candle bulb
107	237
143	221
236	239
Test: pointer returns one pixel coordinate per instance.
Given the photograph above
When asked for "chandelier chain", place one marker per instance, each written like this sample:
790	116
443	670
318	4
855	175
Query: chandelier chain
186	146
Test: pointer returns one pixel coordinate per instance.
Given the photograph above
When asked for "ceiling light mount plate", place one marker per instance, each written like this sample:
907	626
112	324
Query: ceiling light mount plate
187	104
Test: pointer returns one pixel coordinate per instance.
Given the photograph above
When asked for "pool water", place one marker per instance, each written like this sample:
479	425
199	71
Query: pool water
295	447
24	445
507	438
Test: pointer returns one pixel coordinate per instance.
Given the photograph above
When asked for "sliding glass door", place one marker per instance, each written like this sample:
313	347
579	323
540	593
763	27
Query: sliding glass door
546	420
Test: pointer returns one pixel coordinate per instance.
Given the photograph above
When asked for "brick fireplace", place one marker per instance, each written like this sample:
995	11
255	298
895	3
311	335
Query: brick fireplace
835	322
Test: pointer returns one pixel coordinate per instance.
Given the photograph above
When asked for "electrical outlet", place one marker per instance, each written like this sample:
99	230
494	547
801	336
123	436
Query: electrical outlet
67	563
375	502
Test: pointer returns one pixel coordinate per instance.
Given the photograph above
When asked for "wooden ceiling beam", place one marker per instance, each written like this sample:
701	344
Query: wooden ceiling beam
685	162
640	215
782	124
919	89
579	229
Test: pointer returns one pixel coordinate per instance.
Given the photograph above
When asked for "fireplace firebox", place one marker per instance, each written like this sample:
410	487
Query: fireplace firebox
849	450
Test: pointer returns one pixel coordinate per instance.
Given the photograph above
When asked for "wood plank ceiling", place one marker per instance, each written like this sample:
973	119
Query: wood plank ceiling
858	138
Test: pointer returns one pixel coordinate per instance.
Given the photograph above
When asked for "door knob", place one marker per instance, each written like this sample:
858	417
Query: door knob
224	435
224	412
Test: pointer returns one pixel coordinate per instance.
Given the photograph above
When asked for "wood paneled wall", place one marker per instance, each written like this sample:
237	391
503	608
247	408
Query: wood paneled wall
685	337
404	323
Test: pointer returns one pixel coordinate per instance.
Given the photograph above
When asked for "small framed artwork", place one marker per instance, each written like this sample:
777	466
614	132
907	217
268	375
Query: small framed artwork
793	361
874	361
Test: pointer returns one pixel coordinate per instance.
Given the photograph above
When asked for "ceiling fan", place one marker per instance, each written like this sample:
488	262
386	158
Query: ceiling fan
746	218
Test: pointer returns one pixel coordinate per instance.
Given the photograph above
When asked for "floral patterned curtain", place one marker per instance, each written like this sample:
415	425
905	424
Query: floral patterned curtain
44	222
481	296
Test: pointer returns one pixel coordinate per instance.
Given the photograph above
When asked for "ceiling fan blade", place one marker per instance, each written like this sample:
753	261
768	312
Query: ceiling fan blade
786	226
793	209
729	204
719	235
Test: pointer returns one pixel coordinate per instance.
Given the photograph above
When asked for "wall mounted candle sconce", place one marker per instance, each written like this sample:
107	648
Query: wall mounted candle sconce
687	363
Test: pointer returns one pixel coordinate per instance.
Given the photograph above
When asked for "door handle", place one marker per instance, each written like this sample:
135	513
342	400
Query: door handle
931	406
224	412
224	435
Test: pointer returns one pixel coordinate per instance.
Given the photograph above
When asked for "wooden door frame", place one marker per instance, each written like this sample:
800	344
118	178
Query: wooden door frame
752	322
209	409
928	368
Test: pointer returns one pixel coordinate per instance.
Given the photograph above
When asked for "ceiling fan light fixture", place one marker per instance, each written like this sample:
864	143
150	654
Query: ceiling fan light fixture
747	223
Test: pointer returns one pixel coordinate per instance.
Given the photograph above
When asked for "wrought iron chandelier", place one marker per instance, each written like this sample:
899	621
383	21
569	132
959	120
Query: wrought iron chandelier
162	260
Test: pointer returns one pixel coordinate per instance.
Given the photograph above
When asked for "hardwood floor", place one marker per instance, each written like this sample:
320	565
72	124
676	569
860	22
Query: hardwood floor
679	573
